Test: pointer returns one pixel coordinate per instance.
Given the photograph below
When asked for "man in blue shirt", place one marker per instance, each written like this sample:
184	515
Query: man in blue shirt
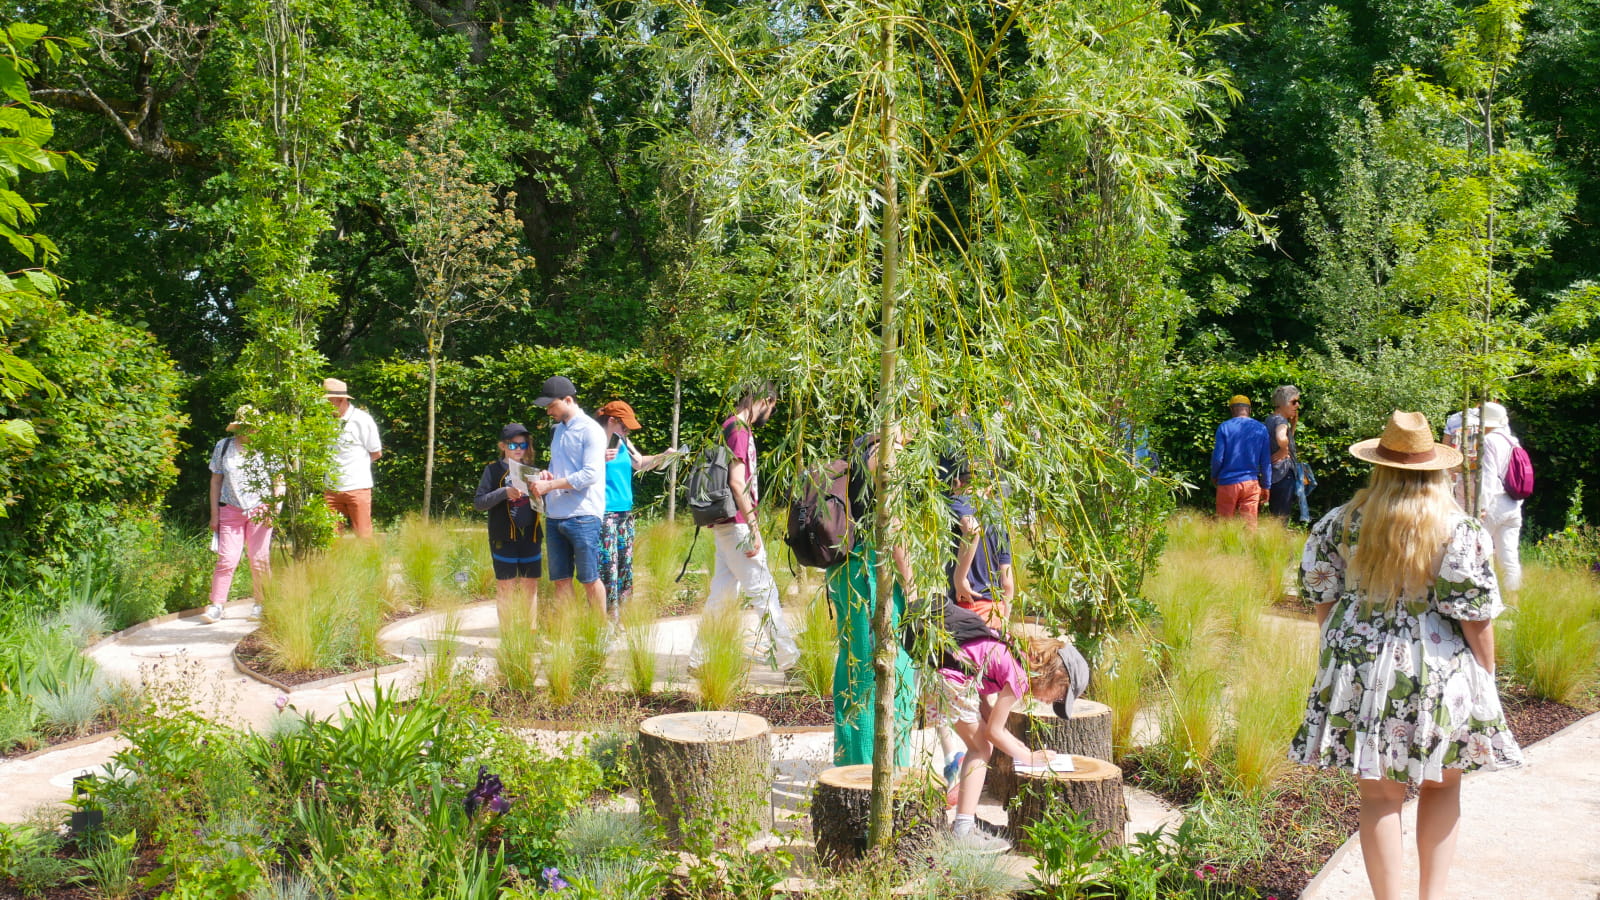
1241	463
574	495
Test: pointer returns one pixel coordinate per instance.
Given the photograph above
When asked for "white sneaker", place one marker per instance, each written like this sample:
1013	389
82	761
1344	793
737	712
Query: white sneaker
212	615
255	612
980	841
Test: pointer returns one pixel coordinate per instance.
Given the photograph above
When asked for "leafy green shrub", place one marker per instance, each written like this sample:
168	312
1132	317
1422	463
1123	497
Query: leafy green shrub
29	862
18	721
107	440
1553	644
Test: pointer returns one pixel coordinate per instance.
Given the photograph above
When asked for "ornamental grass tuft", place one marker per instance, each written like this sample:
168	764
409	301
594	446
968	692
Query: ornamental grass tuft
1552	646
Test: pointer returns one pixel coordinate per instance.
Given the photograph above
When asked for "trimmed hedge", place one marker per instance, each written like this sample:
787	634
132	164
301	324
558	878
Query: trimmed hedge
478	397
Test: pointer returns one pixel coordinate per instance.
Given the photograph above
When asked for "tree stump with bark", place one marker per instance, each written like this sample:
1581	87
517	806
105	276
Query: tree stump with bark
709	775
839	811
1087	733
1093	791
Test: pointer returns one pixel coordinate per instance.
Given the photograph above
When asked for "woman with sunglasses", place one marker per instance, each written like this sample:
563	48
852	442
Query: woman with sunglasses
515	533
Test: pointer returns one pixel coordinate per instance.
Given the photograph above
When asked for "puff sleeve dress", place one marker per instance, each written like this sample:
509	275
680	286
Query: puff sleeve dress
1398	693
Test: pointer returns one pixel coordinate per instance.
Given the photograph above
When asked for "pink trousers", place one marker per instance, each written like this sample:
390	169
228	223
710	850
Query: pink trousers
238	531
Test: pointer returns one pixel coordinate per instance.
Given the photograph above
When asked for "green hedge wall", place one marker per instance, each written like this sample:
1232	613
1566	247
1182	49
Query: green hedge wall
479	396
1560	427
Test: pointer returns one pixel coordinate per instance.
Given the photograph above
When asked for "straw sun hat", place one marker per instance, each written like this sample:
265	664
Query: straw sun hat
1407	443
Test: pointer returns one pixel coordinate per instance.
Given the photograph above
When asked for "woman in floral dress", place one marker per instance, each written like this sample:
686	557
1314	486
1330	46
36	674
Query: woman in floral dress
1405	595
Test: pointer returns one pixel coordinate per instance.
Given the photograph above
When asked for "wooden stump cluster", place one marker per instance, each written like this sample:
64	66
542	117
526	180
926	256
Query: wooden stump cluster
709	775
1093	791
1087	733
842	799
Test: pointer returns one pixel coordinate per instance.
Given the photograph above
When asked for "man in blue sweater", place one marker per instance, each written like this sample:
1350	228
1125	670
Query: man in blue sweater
1241	464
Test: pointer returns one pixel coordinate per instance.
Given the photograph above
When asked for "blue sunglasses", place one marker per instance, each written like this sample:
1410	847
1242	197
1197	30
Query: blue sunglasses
517	445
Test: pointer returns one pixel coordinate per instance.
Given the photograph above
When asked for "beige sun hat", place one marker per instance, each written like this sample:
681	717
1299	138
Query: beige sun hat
335	388
1407	443
243	417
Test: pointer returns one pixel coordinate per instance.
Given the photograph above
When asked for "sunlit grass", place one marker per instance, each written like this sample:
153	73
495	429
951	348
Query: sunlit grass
658	555
1273	676
638	628
1120	681
819	645
725	670
575	650
1194	682
1552	646
519	645
422	549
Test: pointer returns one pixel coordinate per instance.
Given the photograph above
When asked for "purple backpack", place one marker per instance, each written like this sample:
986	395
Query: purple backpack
1519	474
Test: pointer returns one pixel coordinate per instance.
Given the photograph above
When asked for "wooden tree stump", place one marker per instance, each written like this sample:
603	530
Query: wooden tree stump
1093	791
709	775
843	797
1087	733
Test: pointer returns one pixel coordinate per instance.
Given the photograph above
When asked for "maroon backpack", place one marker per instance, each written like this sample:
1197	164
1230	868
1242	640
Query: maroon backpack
819	518
1519	474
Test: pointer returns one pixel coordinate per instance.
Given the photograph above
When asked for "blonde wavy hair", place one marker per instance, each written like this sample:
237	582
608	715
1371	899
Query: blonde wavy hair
1406	519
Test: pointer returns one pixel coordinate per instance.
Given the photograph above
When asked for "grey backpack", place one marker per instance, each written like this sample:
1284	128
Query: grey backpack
710	497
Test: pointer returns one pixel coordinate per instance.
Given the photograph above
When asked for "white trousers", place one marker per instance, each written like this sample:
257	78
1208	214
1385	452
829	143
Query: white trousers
735	574
1504	524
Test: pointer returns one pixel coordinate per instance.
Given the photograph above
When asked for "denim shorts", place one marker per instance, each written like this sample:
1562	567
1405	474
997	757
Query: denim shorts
572	544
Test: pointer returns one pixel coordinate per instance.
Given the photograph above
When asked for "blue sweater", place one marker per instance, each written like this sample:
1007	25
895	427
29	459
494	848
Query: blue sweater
1243	452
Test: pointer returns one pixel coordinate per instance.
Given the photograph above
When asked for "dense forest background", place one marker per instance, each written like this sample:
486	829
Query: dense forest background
1349	125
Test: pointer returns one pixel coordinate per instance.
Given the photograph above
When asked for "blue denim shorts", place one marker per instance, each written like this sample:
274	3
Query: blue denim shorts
572	544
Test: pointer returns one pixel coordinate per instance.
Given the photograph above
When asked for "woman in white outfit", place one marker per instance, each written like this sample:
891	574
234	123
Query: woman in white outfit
1501	513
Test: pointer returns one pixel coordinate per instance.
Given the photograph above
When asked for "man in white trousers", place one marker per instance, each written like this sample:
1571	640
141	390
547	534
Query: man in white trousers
741	563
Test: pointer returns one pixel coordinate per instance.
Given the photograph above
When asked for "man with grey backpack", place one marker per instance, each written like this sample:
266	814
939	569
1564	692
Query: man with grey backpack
741	567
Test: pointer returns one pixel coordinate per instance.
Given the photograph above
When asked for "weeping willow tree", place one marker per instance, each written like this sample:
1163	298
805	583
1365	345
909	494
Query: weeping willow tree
952	220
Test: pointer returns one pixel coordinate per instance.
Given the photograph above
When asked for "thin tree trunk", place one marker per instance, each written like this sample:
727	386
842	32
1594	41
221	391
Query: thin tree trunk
880	823
1488	283
672	467
433	388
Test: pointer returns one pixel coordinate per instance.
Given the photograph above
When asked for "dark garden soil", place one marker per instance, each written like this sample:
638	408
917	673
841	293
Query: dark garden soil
1532	719
619	708
252	654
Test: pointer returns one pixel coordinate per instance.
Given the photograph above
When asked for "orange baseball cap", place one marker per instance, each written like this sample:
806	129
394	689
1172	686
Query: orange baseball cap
619	409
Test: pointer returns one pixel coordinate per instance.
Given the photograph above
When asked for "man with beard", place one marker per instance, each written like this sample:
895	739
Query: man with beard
741	564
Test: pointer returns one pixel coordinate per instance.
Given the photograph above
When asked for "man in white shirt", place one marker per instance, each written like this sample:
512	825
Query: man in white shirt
1501	512
573	490
350	496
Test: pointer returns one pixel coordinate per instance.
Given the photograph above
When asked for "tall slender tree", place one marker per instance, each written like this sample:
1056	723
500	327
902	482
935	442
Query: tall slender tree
873	177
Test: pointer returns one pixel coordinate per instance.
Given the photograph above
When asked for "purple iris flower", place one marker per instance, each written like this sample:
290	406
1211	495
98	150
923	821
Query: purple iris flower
487	793
552	877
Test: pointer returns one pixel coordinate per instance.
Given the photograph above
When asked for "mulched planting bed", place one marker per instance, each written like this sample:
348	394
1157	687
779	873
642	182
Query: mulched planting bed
252	653
101	725
787	710
1532	719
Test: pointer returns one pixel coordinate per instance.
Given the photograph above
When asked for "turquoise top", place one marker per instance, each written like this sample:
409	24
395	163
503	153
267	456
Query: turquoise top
619	479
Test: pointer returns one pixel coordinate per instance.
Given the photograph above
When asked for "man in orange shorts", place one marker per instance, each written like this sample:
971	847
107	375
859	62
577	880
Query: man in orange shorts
1241	462
359	447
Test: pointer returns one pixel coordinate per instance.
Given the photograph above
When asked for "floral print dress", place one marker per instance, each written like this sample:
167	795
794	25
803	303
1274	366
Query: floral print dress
1398	693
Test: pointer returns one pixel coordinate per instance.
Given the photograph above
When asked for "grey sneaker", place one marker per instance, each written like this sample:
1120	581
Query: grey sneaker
255	612
980	841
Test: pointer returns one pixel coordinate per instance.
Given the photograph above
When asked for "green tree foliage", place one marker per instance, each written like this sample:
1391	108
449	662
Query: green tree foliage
25	128
461	242
288	116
